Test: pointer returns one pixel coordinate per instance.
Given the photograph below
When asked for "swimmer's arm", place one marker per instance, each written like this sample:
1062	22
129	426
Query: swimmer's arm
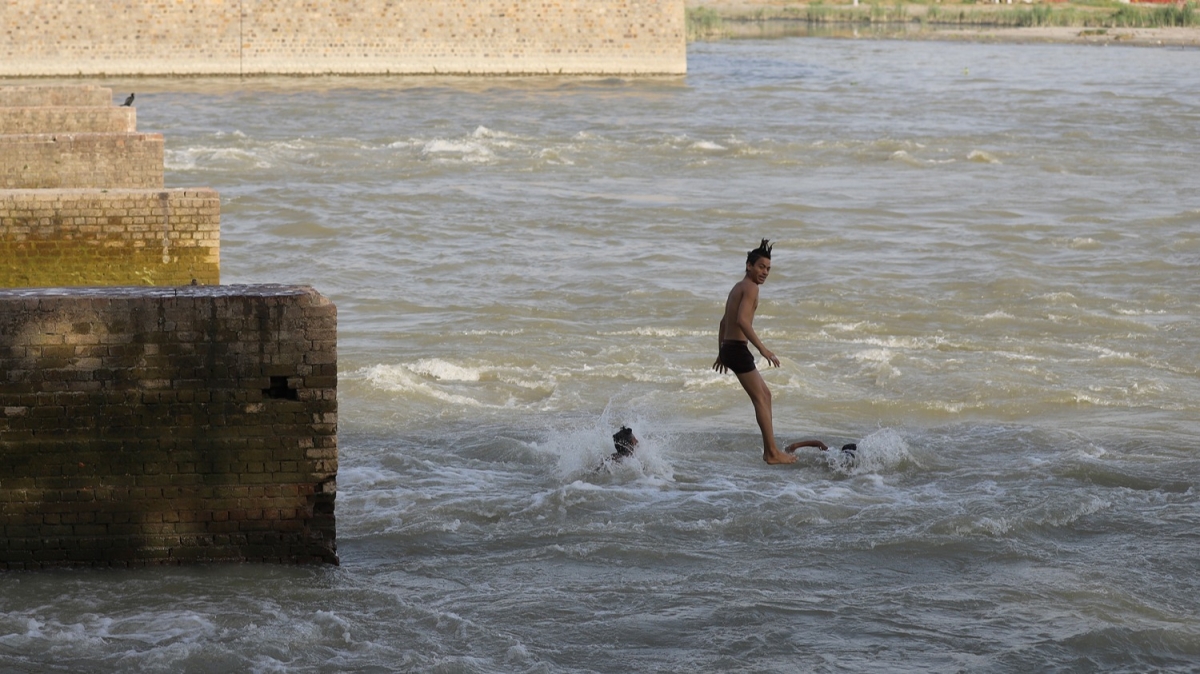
806	443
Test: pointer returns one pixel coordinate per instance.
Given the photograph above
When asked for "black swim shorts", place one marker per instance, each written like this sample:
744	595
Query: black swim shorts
735	355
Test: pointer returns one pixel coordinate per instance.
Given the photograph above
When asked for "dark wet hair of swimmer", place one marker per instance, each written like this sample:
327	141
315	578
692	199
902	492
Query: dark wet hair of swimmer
624	442
763	250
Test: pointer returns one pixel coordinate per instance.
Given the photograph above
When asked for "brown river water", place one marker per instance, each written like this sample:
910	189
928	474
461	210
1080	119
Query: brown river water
984	276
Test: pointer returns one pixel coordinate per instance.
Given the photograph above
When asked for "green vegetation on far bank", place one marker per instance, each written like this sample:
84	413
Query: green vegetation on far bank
706	23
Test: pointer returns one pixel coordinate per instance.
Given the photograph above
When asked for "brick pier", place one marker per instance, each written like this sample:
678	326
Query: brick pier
82	201
147	414
167	425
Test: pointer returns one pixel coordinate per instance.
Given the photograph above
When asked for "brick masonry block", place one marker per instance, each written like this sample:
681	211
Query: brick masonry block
59	38
66	119
101	160
84	95
52	238
126	472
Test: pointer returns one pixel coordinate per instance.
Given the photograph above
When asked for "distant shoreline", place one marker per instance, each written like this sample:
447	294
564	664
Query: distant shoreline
1019	23
1143	37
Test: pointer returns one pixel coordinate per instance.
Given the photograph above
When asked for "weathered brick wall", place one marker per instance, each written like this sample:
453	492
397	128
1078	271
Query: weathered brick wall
54	160
139	37
62	119
93	237
167	425
40	95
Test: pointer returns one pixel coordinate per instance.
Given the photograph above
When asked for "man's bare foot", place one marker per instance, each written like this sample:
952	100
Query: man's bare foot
778	458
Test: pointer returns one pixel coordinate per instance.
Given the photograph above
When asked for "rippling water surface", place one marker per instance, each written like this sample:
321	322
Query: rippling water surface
984	276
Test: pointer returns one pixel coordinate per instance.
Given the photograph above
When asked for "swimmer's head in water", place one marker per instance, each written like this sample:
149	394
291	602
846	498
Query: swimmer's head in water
624	441
763	250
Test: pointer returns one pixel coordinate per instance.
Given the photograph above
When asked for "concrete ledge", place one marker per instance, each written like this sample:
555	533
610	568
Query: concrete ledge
55	95
147	426
55	160
63	119
94	237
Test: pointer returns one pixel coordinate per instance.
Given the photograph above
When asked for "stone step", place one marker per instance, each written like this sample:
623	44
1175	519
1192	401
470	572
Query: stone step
57	95
68	160
67	119
109	237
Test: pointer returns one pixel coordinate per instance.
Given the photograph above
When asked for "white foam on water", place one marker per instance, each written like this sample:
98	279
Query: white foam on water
989	526
585	454
1067	514
1106	353
1056	511
484	132
951	407
403	379
893	144
846	327
493	333
153	639
522	382
658	332
983	157
212	158
1060	297
1020	357
445	370
883	451
473	386
469	151
923	342
179	160
362	477
878	363
478	147
904	157
1124	311
874	356
517	654
708	379
555	156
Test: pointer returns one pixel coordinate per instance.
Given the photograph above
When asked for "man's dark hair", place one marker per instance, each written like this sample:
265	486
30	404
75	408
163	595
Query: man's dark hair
763	250
623	441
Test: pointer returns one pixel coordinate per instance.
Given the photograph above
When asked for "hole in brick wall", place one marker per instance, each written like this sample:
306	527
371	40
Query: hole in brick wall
280	389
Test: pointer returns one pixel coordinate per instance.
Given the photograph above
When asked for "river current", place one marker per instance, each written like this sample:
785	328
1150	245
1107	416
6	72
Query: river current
983	276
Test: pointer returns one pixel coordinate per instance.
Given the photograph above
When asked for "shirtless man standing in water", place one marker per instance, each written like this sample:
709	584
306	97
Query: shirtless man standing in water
736	329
